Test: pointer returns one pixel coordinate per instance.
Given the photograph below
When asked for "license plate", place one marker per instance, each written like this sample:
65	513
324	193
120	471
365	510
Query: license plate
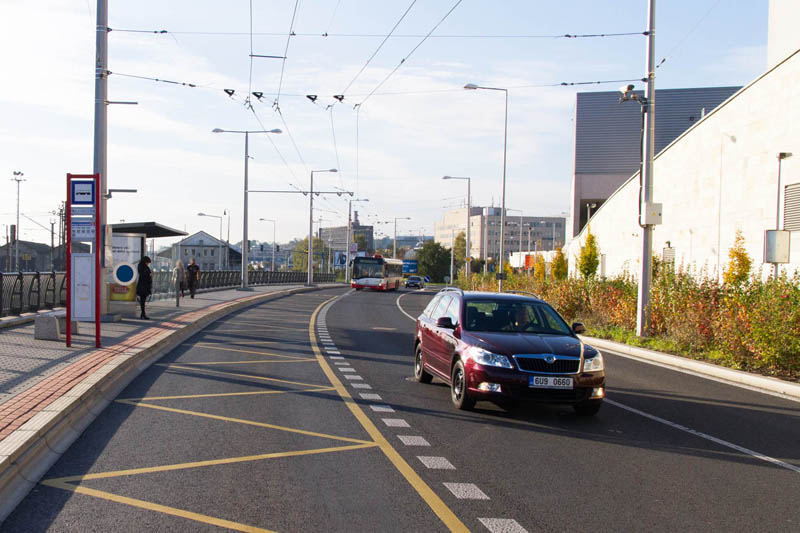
549	382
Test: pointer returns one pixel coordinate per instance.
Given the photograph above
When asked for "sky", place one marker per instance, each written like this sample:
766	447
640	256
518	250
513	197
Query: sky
392	149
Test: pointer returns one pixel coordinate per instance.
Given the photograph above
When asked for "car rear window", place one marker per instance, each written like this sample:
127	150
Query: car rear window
498	316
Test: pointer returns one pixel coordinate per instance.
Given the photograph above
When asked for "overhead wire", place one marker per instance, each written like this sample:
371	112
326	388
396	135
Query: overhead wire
330	23
402	61
286	51
683	39
386	38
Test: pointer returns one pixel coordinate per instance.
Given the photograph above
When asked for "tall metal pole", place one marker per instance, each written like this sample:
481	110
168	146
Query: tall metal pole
274	242
52	244
349	225
520	233
503	200
781	157
554	237
394	246
486	243
220	243
245	243
643	299
452	255
101	129
311	231
468	255
17	177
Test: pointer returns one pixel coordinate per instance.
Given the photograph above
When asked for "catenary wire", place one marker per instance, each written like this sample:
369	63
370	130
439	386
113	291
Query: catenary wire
397	35
286	51
683	39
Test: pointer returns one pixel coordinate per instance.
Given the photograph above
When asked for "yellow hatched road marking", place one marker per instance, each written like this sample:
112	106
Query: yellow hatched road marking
242	421
133	502
450	520
202	464
235	374
223	394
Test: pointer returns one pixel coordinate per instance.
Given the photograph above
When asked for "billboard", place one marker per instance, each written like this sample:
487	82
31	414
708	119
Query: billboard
410	266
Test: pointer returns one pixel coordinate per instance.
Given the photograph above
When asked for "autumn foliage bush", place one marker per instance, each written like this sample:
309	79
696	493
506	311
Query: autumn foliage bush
750	324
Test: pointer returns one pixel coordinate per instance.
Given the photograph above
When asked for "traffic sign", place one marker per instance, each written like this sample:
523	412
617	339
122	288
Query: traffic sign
83	230
82	192
427	279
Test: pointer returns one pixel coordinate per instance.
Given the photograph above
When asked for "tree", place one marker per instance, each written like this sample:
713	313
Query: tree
433	260
459	249
559	267
539	268
739	262
300	255
589	259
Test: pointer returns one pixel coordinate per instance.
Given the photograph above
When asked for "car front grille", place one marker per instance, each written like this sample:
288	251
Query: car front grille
537	363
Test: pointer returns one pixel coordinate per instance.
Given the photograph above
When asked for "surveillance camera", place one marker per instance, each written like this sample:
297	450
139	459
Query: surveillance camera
625	89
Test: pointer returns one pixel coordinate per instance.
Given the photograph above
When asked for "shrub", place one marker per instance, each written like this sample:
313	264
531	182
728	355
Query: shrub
589	259
739	262
560	266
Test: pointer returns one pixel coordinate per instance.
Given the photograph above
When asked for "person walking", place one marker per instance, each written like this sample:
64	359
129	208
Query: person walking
179	281
193	276
144	287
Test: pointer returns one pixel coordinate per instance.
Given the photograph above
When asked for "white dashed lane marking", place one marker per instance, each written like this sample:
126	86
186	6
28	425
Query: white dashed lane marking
336	357
413	440
354	377
436	463
341	363
335	352
381	408
346	369
360	386
502	525
466	491
370	396
395	422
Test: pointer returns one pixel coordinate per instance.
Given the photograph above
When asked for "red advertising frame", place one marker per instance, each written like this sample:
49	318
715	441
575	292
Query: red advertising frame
97	247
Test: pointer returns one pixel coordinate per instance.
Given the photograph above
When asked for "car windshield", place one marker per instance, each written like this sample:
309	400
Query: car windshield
504	316
413	278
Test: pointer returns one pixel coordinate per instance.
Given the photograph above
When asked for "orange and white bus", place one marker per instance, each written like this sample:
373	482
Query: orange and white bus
377	273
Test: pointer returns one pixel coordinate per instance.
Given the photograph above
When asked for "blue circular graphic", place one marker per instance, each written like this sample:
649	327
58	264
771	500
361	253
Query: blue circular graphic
125	273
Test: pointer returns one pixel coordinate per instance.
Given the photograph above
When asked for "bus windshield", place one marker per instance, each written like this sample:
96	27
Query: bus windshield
367	270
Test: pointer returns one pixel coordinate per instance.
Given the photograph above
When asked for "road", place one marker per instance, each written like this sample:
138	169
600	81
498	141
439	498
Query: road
300	415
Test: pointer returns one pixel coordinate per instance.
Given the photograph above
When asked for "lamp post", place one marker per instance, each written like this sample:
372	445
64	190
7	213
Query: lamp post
245	244
394	246
781	157
349	229
310	281
228	239
18	178
220	233
589	207
467	254
274	226
472	86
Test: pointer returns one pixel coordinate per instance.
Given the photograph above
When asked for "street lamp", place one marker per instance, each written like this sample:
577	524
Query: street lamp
781	157
589	207
311	226
349	229
394	247
18	178
245	244
501	274
467	255
274	226
220	233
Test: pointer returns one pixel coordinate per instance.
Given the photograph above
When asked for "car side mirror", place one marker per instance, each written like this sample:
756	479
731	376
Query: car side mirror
445	322
578	328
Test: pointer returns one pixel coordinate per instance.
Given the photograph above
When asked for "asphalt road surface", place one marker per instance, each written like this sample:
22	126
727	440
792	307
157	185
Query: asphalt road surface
301	415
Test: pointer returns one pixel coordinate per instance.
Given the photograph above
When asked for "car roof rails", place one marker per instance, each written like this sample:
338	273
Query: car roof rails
526	293
452	289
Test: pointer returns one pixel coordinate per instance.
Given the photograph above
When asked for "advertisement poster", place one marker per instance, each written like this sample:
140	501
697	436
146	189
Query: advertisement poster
82	287
126	247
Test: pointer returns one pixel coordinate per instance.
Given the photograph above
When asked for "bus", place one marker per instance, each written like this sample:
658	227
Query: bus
377	273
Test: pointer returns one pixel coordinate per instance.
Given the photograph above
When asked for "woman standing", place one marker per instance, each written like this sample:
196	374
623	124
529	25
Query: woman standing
179	281
144	287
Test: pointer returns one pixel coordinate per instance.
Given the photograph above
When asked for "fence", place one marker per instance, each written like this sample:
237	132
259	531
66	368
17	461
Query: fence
28	292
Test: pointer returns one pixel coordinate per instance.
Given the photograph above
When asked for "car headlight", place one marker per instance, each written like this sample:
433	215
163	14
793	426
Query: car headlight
593	364
485	357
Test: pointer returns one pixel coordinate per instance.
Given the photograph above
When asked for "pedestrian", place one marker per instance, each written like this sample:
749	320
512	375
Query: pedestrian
193	276
179	281
144	287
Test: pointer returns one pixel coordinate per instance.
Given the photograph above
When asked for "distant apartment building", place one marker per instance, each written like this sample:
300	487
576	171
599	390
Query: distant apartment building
336	237
608	137
522	233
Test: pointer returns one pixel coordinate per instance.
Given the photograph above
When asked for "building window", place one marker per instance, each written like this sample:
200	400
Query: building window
185	251
205	252
193	252
212	252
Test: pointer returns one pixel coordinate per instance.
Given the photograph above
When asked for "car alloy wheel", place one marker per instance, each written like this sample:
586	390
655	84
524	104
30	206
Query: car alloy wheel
420	375
458	388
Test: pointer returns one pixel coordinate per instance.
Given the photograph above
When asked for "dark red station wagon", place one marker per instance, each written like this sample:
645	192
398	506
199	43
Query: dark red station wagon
505	347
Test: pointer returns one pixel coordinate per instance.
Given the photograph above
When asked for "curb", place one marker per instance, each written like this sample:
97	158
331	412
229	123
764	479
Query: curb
29	452
770	385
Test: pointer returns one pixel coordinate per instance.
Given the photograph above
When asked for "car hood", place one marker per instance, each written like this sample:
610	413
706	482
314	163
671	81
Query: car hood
528	343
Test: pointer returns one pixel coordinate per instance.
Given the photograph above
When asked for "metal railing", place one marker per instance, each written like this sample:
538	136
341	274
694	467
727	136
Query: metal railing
28	292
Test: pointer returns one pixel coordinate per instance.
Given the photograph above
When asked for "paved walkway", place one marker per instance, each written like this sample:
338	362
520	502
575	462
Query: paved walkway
25	361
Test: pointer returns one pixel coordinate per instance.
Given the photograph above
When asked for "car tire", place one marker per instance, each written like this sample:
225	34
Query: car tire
588	407
458	388
420	375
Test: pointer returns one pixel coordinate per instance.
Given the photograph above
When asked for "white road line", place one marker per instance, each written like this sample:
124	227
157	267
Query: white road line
502	525
334	352
354	377
370	396
413	440
336	357
436	463
395	422
360	386
341	363
397	302
346	369
466	491
381	408
706	436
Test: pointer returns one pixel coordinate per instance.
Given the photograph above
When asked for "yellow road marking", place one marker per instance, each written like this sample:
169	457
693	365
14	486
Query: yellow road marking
223	394
211	345
201	464
133	502
242	421
234	374
436	504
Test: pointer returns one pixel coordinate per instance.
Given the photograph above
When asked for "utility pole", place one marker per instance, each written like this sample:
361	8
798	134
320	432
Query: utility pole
18	178
452	255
